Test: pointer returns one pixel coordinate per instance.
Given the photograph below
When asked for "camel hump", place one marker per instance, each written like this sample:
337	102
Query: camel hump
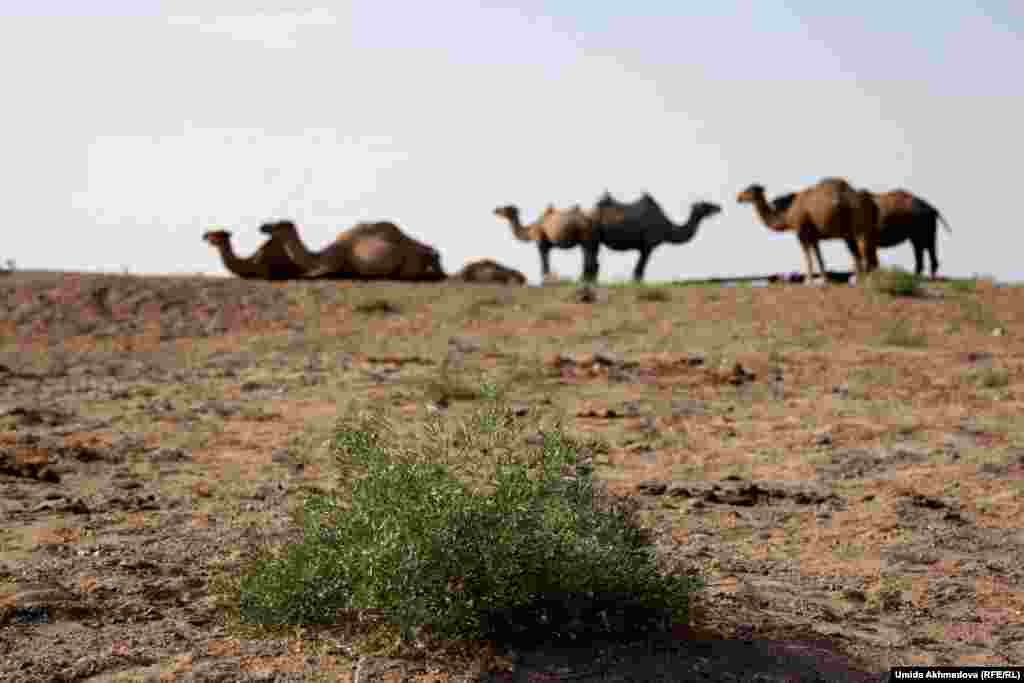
372	229
835	181
649	209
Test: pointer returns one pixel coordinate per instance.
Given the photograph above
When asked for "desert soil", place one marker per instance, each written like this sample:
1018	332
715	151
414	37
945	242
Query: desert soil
844	467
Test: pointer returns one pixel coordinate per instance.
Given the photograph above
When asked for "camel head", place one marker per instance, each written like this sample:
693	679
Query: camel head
702	210
751	194
279	229
509	213
217	238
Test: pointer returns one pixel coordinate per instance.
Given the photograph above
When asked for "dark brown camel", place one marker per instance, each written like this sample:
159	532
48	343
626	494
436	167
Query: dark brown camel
366	251
269	262
642	225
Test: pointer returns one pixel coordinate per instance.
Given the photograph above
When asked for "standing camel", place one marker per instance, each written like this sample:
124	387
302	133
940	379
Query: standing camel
562	228
269	262
902	216
831	209
366	251
642	226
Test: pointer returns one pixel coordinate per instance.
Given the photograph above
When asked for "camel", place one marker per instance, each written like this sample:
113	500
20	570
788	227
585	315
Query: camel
269	262
562	228
366	251
486	270
642	226
904	216
831	209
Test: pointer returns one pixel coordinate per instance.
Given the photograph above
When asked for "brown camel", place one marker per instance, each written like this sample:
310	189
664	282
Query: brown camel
642	226
486	270
269	262
902	216
562	228
366	251
831	209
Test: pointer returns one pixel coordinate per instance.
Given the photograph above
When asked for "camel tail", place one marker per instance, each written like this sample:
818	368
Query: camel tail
936	213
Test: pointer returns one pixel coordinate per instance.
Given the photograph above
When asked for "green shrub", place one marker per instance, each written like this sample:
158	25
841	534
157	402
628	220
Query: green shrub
964	285
472	535
895	282
375	306
653	294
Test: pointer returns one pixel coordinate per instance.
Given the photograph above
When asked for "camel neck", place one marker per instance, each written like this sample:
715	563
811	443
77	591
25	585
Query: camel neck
232	262
521	232
769	217
681	234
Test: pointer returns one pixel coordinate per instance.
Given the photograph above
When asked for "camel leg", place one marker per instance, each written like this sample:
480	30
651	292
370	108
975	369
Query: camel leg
821	261
928	245
808	262
918	258
858	258
545	259
869	251
590	262
641	265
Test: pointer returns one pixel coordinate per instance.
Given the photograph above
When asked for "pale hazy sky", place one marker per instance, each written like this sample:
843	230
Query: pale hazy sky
132	126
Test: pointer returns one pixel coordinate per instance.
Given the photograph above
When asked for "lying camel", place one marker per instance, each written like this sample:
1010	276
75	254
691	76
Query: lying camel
486	270
366	251
562	228
831	209
269	262
642	226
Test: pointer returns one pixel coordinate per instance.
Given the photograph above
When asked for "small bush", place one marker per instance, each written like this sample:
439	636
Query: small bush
653	294
900	332
437	540
975	313
964	286
991	378
895	282
375	306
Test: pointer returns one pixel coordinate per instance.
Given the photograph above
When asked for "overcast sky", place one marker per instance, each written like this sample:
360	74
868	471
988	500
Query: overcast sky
130	127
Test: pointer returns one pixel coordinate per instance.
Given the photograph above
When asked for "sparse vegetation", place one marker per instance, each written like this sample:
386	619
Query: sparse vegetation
901	332
990	378
193	414
653	294
977	314
471	537
964	285
377	306
895	282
